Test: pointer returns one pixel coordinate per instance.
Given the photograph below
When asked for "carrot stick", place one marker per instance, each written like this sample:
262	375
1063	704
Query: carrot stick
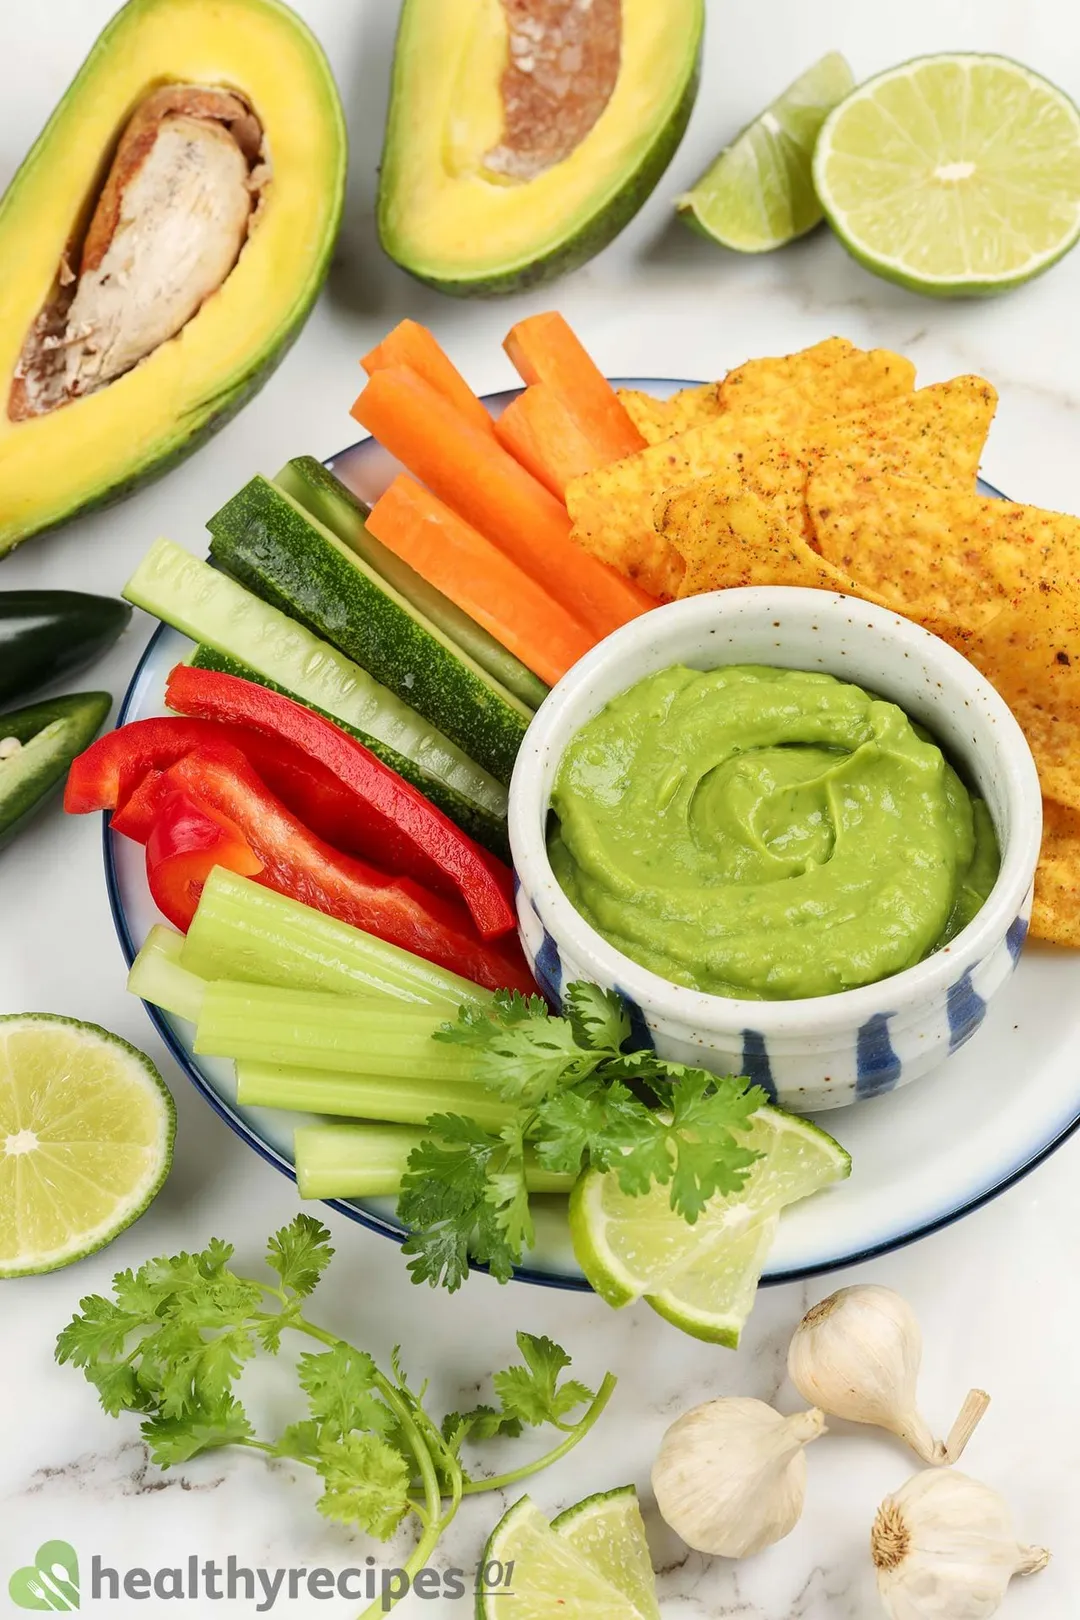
451	555
412	345
546	438
543	349
478	480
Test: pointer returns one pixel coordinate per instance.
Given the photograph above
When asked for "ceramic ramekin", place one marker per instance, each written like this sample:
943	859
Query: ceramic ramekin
826	1051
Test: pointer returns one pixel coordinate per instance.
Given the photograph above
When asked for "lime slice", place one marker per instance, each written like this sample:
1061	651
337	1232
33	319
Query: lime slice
86	1135
608	1530
955	175
759	193
630	1246
549	1575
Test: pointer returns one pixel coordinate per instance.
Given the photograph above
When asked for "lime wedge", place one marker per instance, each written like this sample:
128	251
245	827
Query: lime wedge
759	193
608	1530
86	1134
954	175
633	1246
549	1575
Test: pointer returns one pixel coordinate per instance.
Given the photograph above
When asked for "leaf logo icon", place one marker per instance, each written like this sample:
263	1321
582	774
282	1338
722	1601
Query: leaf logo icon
51	1582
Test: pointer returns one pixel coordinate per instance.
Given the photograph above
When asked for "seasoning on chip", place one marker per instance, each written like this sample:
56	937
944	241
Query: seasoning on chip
660	419
833	378
1056	912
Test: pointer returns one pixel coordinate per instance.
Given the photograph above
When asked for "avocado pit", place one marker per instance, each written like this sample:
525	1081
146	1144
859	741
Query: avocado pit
169	224
561	71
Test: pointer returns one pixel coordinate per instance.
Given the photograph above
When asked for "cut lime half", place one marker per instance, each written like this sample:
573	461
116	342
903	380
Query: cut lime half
609	1531
759	193
86	1135
701	1277
546	1574
954	175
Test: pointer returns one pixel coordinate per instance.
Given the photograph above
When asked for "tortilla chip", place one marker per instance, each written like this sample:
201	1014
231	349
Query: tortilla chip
728	534
833	378
660	419
936	551
936	434
1056	913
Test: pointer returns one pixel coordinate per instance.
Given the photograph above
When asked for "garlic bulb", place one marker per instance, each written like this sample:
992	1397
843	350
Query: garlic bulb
857	1356
944	1549
731	1475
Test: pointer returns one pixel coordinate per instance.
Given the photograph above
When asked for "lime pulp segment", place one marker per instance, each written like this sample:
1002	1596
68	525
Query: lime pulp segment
86	1134
955	175
759	192
550	1574
608	1530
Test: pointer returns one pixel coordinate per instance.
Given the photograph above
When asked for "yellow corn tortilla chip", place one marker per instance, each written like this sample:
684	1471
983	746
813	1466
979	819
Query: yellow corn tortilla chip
833	378
729	535
1056	912
660	419
936	434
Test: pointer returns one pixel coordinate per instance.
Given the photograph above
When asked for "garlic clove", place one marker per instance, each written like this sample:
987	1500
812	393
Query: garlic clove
730	1477
944	1549
857	1355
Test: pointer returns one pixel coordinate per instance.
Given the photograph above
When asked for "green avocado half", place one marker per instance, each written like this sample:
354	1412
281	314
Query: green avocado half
162	244
500	168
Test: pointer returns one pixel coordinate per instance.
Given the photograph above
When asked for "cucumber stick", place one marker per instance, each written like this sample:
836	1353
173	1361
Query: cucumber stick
308	482
272	545
249	934
368	1161
356	1096
216	611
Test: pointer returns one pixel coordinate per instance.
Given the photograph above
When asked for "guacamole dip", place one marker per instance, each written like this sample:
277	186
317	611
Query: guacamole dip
766	833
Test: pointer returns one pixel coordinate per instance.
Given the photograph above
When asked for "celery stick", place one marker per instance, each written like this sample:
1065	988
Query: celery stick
244	932
368	1161
312	1030
158	977
325	1091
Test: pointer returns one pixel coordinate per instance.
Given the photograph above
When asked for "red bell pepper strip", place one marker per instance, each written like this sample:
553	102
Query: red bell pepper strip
187	840
485	888
297	863
118	773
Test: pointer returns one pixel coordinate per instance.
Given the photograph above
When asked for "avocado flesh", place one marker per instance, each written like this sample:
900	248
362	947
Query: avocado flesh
95	448
449	220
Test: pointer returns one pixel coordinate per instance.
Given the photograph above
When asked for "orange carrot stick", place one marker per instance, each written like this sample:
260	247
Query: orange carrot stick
412	345
546	438
478	480
543	349
451	555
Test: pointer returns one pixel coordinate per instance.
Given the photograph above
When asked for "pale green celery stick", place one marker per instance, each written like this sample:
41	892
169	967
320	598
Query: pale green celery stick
368	1161
244	932
158	977
309	1030
402	1102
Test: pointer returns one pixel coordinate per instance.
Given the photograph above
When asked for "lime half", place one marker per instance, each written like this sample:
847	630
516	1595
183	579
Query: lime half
701	1277
550	1575
759	193
86	1135
608	1530
955	175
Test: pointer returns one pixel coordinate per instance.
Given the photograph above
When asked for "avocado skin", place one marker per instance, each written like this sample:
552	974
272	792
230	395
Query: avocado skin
584	244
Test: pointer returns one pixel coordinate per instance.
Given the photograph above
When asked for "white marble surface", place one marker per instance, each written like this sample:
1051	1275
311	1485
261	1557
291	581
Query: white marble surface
998	1295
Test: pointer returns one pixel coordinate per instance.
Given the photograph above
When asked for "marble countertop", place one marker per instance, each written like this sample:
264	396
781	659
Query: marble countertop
998	1294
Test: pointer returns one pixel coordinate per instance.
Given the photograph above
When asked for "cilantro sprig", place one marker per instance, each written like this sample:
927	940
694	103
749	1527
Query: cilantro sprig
582	1101
174	1338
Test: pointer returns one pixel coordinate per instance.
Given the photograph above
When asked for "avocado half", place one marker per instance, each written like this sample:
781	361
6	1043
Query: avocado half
256	73
474	202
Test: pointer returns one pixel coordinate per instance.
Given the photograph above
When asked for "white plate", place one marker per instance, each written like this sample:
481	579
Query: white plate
923	1156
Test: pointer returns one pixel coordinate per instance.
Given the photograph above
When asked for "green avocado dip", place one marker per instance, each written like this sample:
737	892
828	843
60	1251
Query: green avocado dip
766	833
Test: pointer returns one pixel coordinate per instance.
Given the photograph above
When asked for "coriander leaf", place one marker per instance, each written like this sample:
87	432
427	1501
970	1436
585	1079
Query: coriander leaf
340	1385
597	1017
300	1253
506	1191
300	1441
102	1329
481	1423
594	1120
522	1051
444	1199
118	1388
532	1393
507	1009
366	1482
176	1439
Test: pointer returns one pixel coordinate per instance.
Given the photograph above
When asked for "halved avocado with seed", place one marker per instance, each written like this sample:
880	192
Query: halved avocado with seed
162	244
524	134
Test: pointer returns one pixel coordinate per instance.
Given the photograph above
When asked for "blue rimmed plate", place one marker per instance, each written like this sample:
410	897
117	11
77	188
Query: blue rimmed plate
923	1156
